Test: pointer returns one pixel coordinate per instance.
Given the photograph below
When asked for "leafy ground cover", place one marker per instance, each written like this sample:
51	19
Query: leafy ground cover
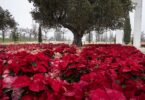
63	72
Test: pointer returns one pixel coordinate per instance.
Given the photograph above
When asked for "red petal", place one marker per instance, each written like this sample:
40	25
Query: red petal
36	86
98	94
37	83
21	81
115	95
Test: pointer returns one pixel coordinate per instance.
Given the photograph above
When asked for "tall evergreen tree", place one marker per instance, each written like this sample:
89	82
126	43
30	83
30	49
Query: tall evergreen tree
40	34
127	30
127	26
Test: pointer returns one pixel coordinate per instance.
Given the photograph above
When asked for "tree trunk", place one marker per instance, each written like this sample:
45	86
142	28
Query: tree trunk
40	35
77	39
3	35
77	34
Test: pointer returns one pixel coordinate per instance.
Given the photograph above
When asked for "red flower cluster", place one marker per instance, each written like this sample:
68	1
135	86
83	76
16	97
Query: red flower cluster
63	72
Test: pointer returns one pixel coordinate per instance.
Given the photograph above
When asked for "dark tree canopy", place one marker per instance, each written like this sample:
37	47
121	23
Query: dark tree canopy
82	16
6	19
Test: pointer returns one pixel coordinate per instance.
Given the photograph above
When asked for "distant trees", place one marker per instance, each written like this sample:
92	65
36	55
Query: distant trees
45	30
15	35
58	34
6	21
25	34
89	37
34	31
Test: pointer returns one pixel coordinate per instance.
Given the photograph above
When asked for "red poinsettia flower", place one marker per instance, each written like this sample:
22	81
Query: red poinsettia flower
37	83
8	81
21	81
107	94
54	84
29	97
63	72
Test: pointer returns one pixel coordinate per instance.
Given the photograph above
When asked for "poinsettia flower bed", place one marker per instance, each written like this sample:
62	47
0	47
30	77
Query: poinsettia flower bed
63	72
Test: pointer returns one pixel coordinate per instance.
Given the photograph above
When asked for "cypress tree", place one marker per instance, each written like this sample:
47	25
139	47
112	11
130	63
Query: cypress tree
127	30
40	35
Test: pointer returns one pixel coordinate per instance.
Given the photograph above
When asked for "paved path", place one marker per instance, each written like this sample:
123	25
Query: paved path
142	50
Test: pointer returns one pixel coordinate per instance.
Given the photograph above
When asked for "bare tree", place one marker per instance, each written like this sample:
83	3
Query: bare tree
58	34
45	30
35	31
89	37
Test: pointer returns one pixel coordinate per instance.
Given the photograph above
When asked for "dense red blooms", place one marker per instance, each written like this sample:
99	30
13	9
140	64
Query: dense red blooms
21	81
63	72
37	83
106	94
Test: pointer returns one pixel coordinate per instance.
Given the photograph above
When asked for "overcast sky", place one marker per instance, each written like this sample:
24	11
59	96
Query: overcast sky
20	9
